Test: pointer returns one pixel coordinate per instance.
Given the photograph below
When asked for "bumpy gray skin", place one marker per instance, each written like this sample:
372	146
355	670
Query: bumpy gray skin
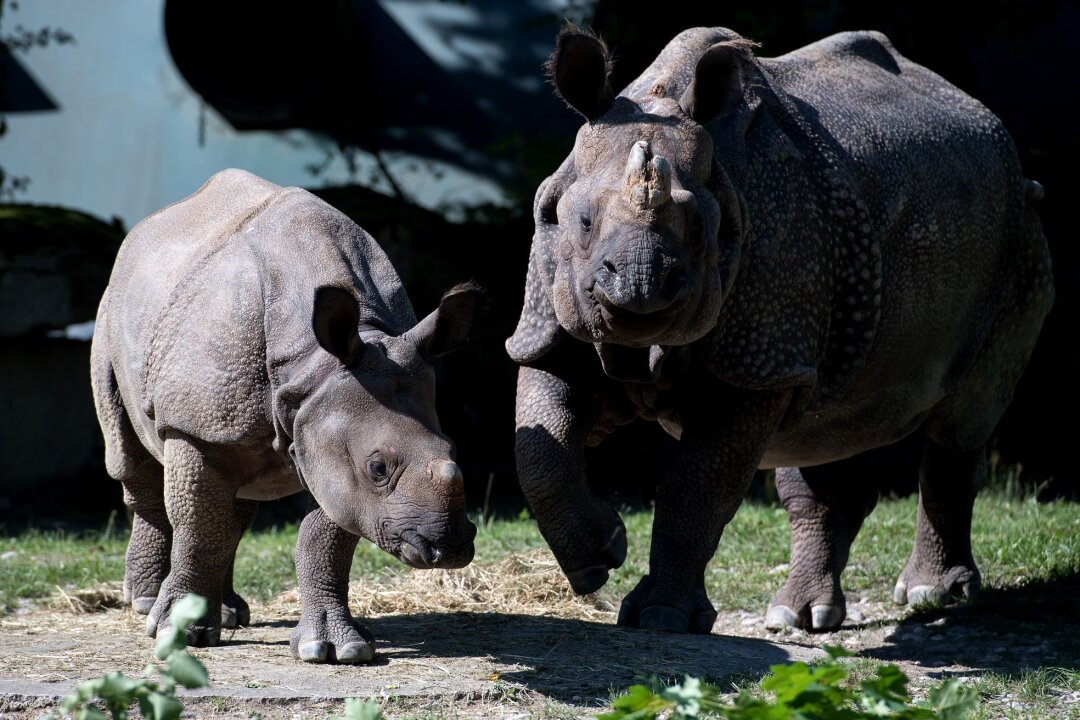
253	341
787	262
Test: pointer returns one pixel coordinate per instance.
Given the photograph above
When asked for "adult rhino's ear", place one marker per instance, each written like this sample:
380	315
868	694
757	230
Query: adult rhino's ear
579	69
718	82
449	327
336	320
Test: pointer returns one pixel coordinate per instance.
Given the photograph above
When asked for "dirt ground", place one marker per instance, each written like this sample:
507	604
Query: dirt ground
497	642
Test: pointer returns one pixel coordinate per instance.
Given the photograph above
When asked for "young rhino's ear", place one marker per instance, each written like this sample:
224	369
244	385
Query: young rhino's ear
579	69
336	320
448	328
717	86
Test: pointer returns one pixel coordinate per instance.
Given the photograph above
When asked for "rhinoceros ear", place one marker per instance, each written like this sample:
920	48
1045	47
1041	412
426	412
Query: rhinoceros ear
579	69
335	320
717	86
449	326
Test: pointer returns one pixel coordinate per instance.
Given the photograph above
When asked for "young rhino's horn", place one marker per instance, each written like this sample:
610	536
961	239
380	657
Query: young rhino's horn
648	177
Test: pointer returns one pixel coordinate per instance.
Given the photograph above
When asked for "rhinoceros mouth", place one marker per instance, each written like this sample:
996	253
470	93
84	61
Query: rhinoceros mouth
417	551
636	328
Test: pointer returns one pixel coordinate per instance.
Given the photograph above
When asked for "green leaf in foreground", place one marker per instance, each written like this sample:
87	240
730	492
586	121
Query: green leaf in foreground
187	671
799	692
953	701
117	692
357	709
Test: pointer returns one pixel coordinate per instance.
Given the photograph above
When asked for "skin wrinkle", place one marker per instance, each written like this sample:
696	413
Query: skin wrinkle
249	377
870	264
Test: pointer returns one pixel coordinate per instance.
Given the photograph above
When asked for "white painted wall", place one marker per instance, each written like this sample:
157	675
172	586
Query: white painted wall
125	140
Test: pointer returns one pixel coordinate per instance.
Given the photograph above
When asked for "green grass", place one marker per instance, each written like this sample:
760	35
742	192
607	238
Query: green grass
1029	555
33	564
1037	693
1016	542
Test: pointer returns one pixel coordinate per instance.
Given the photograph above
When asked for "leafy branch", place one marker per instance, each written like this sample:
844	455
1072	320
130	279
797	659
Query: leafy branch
800	692
157	701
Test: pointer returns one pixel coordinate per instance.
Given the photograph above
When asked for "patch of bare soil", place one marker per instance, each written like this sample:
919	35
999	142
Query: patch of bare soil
509	640
501	640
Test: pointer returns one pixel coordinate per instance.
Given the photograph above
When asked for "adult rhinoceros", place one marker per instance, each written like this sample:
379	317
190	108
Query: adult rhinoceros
787	262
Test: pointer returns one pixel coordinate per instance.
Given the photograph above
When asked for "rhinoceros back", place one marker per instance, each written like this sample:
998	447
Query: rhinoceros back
210	295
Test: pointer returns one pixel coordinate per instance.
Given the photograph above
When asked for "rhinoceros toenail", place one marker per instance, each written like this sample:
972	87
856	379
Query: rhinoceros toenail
313	651
355	652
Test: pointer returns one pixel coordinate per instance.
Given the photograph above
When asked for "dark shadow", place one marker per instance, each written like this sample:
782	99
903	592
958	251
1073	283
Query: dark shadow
19	91
1006	631
572	660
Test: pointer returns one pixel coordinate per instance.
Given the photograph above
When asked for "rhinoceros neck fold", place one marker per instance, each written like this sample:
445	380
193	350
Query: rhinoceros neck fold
303	244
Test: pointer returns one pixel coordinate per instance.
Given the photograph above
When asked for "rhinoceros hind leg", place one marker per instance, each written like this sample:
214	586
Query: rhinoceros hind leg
826	506
146	564
234	609
941	568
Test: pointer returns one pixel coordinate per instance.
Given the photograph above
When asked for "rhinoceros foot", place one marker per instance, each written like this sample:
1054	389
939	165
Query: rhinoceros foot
611	555
806	607
234	612
944	586
331	636
143	605
204	632
655	606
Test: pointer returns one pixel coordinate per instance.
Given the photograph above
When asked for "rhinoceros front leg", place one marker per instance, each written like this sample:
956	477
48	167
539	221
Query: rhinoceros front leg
326	632
723	440
199	498
585	533
941	567
826	506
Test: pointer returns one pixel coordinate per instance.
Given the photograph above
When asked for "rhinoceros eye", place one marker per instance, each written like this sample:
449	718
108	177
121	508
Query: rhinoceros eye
377	469
586	223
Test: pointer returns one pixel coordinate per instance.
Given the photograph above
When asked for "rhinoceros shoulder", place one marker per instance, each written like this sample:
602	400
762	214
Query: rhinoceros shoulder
239	300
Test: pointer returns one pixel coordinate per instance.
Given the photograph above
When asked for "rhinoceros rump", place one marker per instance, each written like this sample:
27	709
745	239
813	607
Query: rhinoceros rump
787	262
253	340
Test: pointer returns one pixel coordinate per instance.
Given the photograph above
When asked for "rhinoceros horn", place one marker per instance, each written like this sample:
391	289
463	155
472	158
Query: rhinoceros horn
648	177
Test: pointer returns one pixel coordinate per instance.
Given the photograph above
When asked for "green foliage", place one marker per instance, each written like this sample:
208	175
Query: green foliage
799	692
117	692
357	709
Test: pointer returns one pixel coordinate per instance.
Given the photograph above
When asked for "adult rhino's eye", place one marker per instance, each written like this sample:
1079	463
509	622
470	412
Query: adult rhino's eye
377	469
586	223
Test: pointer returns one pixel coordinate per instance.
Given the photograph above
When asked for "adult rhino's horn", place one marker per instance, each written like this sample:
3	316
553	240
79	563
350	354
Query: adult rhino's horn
648	177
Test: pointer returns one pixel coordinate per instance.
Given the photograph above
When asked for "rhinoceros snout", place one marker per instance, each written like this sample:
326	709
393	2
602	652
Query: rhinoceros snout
620	291
418	550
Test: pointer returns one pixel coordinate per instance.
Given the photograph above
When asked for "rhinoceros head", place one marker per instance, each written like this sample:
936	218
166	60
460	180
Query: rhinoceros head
367	442
632	217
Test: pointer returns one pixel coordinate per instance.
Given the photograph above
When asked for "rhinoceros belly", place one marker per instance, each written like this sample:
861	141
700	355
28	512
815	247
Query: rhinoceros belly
270	486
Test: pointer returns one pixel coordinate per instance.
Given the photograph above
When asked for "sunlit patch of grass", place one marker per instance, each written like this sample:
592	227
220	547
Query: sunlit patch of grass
34	563
1045	692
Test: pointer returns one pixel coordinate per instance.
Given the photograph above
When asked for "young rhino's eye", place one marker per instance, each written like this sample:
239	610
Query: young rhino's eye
586	223
377	469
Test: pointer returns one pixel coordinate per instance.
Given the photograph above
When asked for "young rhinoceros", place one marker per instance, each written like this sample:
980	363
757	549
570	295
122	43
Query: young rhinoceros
787	262
253	341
